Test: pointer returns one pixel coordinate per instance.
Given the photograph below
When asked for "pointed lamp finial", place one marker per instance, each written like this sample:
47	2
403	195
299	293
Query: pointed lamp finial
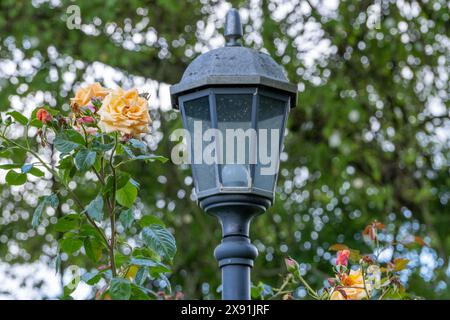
233	28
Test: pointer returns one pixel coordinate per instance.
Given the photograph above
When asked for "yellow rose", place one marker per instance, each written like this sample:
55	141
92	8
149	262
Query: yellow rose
124	111
84	95
336	295
353	286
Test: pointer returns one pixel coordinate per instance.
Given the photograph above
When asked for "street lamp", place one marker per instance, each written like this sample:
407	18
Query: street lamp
234	103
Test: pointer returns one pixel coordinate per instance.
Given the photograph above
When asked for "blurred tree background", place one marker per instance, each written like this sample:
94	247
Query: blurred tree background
369	138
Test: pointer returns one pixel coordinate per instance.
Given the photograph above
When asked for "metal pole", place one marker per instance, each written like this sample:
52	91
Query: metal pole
236	254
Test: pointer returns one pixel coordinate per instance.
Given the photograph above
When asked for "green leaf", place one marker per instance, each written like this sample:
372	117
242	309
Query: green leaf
151	157
128	151
155	266
148	158
91	278
119	149
58	264
36	123
95	208
74	136
93	249
121	180
70	245
143	262
138	144
256	291
37	214
126	218
68	290
65	143
11	151
20	118
159	269
85	159
146	253
87	230
66	163
261	290
120	289
121	258
151	219
141	276
51	200
15	179
36	172
159	239
139	293
67	223
126	195
8	166
101	147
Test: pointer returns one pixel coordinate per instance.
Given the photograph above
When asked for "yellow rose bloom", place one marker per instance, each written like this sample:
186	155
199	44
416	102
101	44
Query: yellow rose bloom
125	112
84	95
336	295
353	287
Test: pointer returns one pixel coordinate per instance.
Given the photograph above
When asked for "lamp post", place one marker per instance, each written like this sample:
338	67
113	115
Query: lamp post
234	102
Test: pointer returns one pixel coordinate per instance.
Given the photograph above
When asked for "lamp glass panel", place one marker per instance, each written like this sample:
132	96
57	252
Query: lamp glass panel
198	115
234	118
270	120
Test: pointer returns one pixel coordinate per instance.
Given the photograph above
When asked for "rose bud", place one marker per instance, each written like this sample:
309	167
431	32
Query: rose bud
43	115
86	119
342	257
291	264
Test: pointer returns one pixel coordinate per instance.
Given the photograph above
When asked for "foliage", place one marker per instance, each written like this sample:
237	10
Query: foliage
368	278
123	270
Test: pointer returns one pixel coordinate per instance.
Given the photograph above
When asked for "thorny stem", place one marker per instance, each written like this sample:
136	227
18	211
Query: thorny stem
280	291
99	176
383	294
55	174
111	207
310	290
364	281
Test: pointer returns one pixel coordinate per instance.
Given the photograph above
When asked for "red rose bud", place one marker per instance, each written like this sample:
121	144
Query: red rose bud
291	264
43	115
86	120
342	257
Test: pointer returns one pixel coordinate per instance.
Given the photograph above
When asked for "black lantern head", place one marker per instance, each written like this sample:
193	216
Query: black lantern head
234	103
